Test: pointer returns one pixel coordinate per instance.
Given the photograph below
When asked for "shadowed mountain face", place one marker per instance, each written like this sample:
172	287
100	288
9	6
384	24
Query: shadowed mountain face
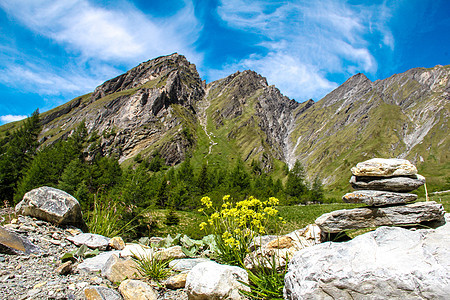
163	105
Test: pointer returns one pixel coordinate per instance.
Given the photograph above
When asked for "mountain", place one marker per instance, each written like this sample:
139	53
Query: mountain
163	106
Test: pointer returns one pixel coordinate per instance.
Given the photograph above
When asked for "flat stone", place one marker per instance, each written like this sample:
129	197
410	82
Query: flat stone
402	184
93	241
101	293
116	243
388	263
96	263
52	205
174	252
402	215
117	269
384	167
137	251
186	264
136	290
378	198
65	268
11	243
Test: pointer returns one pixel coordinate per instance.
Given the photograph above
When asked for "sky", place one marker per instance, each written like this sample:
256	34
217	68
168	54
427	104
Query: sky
53	51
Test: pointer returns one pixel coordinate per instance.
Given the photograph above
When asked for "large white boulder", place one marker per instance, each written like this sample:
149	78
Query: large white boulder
384	167
213	281
388	263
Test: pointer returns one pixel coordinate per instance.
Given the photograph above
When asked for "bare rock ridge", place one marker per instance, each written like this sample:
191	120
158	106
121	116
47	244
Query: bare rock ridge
158	105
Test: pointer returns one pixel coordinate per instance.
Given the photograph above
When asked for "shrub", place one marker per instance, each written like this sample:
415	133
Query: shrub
236	225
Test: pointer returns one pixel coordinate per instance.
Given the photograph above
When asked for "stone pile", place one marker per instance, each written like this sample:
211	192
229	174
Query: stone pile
384	185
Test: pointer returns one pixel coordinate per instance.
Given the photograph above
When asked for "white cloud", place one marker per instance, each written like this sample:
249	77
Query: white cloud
11	118
307	40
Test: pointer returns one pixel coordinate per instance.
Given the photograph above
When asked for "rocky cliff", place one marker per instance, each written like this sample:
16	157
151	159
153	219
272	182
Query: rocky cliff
163	105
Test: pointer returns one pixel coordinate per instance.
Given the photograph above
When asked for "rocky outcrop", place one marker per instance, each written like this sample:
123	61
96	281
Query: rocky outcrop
52	205
388	263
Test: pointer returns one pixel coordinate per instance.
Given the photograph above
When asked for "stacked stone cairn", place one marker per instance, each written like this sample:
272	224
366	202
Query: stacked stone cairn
385	186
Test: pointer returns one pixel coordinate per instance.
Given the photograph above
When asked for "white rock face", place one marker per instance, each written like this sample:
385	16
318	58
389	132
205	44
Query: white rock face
384	167
52	205
388	263
213	281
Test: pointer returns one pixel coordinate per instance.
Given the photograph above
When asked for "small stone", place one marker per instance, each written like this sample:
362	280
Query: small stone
136	290
136	250
378	198
96	263
280	243
174	252
93	241
116	243
383	167
65	268
177	281
73	231
117	269
72	287
101	293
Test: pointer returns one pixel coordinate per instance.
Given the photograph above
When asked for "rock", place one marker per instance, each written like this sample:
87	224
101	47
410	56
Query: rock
210	280
117	269
186	264
177	281
402	184
116	243
137	251
402	215
384	167
96	263
268	258
378	198
101	293
261	241
11	243
174	252
280	243
51	205
65	268
136	290
388	263
306	237
93	241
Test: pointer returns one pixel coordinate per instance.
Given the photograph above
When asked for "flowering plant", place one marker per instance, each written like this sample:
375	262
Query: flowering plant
236	225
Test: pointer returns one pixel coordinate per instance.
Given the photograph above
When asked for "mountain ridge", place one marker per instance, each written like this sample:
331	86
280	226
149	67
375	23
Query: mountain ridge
163	105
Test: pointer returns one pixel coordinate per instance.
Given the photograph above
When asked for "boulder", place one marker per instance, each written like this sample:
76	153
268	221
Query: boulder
384	167
136	290
401	184
93	241
388	263
117	269
378	198
101	293
402	215
210	280
52	205
11	243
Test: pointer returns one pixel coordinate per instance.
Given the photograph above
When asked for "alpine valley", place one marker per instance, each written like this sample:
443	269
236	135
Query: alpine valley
163	105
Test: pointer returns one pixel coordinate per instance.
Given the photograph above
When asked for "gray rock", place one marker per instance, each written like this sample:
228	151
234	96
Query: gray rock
378	198
96	263
210	280
93	241
101	293
394	184
11	243
388	263
186	264
51	205
384	167
364	217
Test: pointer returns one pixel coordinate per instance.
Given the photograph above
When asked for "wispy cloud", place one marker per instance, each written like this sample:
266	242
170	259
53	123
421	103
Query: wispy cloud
306	41
11	118
103	40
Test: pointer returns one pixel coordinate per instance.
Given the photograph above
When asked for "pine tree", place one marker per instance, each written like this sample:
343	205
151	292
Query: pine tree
295	184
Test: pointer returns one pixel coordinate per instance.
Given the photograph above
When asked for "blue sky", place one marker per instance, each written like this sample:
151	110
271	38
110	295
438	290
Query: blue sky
52	51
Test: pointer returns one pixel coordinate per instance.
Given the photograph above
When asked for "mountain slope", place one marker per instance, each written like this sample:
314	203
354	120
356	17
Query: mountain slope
163	105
